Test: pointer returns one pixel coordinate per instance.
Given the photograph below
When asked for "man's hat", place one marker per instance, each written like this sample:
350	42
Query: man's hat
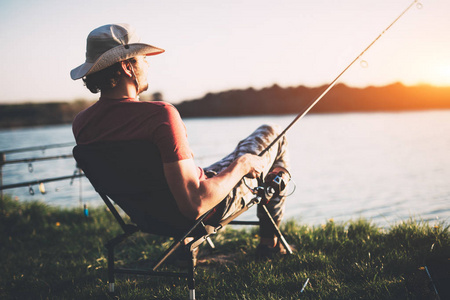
110	44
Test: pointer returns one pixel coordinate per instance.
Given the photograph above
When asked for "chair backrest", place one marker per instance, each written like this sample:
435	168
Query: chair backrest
131	174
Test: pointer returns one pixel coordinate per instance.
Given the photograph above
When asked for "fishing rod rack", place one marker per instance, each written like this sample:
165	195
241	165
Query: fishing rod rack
3	161
39	183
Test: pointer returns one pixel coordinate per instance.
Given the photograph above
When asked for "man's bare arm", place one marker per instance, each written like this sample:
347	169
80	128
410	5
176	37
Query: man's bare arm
195	197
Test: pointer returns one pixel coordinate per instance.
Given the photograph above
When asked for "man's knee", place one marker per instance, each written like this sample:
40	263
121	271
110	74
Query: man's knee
270	129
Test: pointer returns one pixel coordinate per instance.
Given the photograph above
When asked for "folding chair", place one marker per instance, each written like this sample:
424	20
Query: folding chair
130	173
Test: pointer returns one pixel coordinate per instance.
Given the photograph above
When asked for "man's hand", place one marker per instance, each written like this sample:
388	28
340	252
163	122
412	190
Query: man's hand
253	164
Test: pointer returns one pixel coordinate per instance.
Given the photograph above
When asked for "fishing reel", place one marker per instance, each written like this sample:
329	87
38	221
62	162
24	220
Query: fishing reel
271	186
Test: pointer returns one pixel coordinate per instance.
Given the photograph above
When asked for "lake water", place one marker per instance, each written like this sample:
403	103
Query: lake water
384	167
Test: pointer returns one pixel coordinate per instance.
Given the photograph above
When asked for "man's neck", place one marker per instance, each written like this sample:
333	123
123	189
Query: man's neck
124	90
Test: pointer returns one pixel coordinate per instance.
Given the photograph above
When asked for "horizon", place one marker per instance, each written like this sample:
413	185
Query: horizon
147	95
213	46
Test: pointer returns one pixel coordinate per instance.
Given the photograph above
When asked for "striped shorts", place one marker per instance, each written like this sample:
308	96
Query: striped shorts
276	156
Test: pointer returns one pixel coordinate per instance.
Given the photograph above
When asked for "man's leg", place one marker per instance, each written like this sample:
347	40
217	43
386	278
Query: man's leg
276	159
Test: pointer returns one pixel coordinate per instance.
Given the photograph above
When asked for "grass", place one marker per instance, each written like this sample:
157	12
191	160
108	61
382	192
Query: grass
53	253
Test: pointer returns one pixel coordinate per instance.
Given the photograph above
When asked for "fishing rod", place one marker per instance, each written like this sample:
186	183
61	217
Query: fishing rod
315	101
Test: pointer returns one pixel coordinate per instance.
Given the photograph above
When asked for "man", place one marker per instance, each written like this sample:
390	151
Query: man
116	66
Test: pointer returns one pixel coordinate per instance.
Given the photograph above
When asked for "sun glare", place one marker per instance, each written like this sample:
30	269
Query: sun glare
434	73
445	71
441	75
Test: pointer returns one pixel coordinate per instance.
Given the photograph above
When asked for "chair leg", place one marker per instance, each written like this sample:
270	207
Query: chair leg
210	243
191	274
111	268
277	230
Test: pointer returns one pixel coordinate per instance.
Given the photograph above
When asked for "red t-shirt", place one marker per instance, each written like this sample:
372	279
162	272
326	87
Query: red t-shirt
129	119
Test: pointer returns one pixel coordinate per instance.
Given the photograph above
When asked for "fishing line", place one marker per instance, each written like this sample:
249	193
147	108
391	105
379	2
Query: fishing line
364	63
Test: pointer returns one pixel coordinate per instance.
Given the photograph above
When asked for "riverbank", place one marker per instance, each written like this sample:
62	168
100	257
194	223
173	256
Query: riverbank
53	253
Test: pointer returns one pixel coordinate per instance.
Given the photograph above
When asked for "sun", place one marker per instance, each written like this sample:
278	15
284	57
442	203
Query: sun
444	71
430	72
440	74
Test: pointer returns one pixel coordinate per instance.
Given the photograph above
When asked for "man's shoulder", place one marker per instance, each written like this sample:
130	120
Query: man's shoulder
161	104
162	107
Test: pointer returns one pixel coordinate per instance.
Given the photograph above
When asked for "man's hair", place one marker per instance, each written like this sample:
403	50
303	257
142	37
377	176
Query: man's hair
106	79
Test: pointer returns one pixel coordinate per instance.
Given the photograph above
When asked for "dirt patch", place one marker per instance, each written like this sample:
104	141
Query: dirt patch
218	258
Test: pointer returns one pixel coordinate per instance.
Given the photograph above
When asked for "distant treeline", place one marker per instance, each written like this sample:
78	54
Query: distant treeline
271	100
291	100
38	114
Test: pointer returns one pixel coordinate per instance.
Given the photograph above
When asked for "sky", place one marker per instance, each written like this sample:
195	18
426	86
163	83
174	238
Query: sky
212	45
